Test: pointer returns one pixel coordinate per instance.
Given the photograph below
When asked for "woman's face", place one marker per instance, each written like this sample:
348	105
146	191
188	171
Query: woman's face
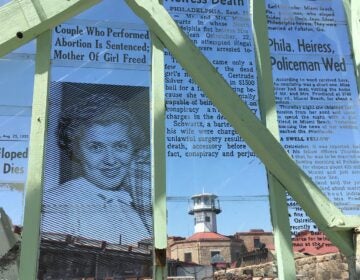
105	153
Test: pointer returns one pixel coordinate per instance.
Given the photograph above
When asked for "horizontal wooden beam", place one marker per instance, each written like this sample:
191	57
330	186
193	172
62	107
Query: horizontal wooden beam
23	20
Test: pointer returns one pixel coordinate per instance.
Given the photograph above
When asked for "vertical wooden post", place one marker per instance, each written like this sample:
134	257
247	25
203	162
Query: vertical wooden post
33	192
158	170
277	194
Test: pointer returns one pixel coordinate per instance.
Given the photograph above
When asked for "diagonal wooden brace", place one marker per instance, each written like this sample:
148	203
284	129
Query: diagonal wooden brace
26	19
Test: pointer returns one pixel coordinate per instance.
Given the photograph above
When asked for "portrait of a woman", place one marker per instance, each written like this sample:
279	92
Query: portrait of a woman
109	198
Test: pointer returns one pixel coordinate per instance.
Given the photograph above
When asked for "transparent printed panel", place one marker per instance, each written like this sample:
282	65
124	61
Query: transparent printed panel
15	117
218	211
96	208
17	82
15	114
96	218
318	105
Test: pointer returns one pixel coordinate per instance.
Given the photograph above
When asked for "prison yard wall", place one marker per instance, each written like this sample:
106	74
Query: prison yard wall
324	267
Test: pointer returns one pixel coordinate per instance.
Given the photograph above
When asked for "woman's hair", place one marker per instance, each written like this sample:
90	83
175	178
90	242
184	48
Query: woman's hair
99	109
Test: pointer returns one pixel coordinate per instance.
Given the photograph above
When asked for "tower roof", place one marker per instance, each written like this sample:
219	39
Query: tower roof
204	202
204	194
207	236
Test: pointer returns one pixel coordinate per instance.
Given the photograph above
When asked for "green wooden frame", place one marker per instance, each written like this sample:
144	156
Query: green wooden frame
277	195
34	184
25	19
158	159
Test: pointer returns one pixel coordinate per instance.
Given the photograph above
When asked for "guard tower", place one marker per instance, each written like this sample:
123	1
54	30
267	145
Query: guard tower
204	207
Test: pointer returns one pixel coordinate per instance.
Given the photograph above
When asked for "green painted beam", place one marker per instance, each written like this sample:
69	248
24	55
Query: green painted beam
299	185
277	195
26	19
158	158
33	191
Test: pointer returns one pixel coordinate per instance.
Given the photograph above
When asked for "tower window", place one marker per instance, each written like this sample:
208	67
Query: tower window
214	253
187	257
207	219
199	219
257	243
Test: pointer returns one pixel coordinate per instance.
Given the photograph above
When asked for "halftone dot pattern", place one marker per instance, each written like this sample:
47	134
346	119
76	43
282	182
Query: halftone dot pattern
96	211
